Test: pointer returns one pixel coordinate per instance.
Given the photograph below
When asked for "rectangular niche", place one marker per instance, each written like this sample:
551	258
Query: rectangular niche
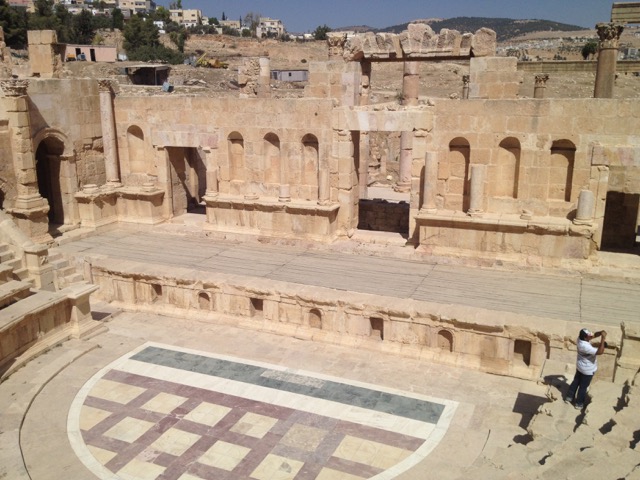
156	292
522	351
377	327
256	307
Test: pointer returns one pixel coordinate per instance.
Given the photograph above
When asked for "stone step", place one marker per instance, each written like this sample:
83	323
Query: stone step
6	273
15	263
13	291
21	274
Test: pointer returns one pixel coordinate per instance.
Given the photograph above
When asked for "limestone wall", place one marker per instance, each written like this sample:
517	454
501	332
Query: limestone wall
68	111
252	160
496	342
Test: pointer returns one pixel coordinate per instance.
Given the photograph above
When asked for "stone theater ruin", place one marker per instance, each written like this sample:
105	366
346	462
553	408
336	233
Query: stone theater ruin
491	177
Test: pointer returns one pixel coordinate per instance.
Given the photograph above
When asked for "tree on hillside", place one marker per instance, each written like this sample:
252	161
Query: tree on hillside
142	43
251	21
590	49
82	29
14	23
320	33
140	33
117	19
161	15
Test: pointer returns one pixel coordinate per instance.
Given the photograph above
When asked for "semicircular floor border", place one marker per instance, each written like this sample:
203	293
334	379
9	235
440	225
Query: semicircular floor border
162	412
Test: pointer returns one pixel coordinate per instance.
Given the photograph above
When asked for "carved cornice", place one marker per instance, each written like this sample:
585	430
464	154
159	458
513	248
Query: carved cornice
541	79
14	88
609	34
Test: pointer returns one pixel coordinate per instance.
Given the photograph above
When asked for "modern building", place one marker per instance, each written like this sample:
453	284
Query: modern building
188	18
269	27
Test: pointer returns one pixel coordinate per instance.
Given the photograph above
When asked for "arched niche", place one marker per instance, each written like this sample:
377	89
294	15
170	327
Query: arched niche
235	146
507	169
455	173
561	165
136	150
310	164
271	159
445	340
315	318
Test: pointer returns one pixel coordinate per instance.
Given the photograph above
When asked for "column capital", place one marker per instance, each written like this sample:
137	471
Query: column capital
336	43
466	79
541	79
609	34
104	85
14	87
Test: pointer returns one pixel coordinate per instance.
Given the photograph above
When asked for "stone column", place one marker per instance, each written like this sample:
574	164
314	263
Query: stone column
465	86
264	79
211	165
540	85
365	82
284	191
609	34
164	179
430	183
324	190
406	157
586	204
478	173
410	84
109	134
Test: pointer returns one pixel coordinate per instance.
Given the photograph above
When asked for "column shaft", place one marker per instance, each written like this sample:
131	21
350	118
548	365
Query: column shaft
109	134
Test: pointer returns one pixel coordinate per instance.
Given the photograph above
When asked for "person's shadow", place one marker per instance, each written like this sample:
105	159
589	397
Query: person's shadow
558	382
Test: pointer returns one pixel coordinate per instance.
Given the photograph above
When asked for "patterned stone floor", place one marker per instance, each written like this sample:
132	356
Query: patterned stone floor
162	412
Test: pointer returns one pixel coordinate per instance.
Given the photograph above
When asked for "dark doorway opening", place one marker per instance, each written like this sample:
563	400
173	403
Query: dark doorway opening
620	227
48	173
188	180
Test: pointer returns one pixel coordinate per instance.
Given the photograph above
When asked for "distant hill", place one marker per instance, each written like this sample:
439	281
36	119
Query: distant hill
505	28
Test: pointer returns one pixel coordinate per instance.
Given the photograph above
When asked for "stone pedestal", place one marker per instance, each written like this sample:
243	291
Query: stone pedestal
37	263
609	34
586	204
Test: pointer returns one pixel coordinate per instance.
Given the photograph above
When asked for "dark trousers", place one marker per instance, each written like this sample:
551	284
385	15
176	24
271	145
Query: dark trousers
580	384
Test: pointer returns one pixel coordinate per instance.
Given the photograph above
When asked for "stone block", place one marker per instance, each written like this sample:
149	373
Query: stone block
484	43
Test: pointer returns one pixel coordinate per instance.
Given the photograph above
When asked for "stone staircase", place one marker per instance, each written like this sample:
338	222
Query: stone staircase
33	319
64	273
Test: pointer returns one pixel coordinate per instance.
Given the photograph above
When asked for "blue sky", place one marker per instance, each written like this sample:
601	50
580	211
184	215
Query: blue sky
305	15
